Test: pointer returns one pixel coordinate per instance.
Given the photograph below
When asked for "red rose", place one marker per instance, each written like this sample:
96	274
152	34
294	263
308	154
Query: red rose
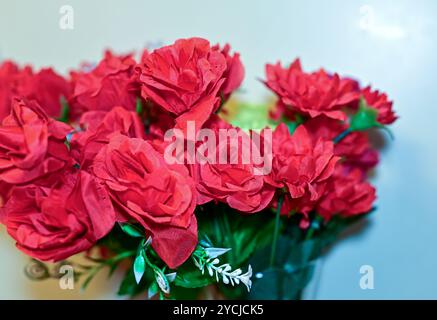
355	149
380	102
312	94
187	78
346	195
113	82
31	144
302	167
147	190
99	126
52	224
45	86
233	181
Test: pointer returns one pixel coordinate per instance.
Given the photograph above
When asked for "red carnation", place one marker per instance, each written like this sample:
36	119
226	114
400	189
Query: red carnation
380	102
99	127
45	86
52	224
32	145
355	149
187	78
346	195
147	190
113	82
302	167
234	73
234	180
312	94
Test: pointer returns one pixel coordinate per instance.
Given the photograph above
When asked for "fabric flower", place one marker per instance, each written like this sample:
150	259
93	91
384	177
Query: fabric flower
346	195
302	167
355	149
98	127
234	72
232	180
145	189
113	82
312	94
187	79
44	86
52	224
31	144
380	102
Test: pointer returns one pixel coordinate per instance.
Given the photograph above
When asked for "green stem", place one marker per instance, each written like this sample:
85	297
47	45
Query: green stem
342	135
230	236
276	232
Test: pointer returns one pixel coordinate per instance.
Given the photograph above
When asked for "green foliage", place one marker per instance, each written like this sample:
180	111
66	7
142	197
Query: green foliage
296	253
132	230
365	118
139	267
65	110
189	276
228	228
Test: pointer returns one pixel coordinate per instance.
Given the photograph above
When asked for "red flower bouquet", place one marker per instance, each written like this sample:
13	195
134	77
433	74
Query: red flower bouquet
138	161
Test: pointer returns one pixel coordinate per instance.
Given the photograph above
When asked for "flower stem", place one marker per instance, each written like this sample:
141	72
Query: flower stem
342	135
276	232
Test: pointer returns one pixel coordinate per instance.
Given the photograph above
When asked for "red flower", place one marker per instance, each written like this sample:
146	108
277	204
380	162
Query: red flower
346	195
147	190
52	224
234	73
32	145
312	94
45	86
98	127
113	82
302	167
355	149
187	78
234	180
380	102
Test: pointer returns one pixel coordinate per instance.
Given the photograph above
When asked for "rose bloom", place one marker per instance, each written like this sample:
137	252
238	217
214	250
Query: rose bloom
145	189
52	224
44	86
188	77
232	181
32	145
113	82
346	195
380	102
98	127
311	94
302	167
355	149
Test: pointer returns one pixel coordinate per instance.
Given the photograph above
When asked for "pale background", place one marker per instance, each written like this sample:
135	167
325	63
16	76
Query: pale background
391	44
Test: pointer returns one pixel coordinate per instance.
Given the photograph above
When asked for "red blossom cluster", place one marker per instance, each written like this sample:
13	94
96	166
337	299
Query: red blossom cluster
65	184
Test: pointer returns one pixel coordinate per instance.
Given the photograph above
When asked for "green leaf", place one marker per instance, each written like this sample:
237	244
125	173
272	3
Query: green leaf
65	110
191	277
153	290
139	106
280	284
129	285
228	228
139	267
132	230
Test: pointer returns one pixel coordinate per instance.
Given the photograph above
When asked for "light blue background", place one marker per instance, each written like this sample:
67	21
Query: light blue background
395	50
